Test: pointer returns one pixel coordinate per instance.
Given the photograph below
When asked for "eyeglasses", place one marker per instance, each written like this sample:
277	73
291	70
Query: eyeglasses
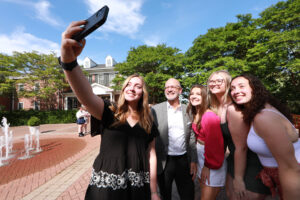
216	82
172	87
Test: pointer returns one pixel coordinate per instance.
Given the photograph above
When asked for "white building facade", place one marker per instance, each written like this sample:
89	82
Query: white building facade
100	77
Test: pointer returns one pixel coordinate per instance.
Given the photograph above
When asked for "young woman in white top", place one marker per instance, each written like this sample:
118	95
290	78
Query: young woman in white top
272	136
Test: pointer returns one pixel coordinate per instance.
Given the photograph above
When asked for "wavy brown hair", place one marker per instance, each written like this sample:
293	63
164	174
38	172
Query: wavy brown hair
143	109
260	96
212	99
200	109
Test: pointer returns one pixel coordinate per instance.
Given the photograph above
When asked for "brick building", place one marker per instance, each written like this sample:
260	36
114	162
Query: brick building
100	77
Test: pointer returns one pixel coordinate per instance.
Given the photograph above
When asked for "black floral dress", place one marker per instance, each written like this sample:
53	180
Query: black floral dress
121	169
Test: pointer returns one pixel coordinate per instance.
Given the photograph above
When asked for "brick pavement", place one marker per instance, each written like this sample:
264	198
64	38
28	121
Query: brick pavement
64	153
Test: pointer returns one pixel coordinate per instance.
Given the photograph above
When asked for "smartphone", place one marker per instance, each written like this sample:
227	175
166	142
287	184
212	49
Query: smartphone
94	22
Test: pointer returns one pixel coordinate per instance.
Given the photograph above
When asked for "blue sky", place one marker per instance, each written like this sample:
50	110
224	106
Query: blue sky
28	25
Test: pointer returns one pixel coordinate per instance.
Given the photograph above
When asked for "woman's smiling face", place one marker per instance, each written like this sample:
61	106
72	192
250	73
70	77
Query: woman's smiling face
241	92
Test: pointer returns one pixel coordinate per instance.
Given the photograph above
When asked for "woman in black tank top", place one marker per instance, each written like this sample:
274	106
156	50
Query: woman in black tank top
242	166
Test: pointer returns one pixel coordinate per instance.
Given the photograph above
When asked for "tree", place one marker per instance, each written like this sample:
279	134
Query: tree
41	76
156	64
267	47
7	70
276	55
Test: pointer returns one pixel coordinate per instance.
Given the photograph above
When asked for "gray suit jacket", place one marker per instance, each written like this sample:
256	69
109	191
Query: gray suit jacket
160	116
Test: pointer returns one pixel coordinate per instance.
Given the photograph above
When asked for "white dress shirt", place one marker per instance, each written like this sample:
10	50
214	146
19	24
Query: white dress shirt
176	135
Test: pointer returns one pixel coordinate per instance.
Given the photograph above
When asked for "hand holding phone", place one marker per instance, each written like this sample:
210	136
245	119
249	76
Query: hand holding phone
92	23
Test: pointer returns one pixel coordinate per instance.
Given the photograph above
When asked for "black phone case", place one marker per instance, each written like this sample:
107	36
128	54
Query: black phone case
94	22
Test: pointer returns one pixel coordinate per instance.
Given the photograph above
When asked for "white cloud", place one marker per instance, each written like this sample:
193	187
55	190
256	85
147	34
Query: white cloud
21	41
41	9
153	40
124	15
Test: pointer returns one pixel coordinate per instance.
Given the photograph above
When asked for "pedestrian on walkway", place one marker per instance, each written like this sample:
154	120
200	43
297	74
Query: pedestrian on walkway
126	165
82	116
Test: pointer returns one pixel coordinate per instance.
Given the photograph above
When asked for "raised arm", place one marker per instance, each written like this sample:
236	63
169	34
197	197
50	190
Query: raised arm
270	127
239	131
70	50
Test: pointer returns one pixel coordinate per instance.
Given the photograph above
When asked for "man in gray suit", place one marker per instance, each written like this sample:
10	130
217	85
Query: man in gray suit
175	146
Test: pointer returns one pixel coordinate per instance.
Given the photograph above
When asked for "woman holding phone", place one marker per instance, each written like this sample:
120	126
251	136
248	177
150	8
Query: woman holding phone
126	165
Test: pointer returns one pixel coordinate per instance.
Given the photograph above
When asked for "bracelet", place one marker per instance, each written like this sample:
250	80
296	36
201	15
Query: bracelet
154	193
68	66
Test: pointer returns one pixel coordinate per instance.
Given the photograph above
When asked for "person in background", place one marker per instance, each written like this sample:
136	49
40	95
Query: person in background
175	146
87	121
242	164
210	145
272	136
81	121
126	165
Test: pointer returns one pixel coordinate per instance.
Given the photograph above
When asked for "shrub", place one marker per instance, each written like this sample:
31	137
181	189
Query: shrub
33	121
20	117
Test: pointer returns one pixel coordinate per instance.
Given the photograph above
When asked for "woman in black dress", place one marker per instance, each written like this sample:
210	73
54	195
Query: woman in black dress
126	165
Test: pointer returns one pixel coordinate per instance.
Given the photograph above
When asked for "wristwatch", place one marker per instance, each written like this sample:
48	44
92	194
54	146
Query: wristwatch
68	66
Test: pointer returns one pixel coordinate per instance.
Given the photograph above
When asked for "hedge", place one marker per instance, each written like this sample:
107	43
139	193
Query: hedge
20	117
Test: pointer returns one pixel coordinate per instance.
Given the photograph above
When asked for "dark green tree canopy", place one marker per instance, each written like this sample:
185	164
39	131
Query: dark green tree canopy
155	64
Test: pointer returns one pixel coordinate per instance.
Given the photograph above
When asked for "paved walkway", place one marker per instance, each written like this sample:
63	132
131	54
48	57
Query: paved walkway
61	171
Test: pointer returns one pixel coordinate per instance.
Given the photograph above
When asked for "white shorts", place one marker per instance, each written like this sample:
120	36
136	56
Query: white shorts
217	177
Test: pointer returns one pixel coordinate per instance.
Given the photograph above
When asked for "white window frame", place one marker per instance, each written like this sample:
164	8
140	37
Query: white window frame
20	105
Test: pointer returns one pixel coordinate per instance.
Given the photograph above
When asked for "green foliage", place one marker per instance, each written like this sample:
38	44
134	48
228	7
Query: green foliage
33	121
21	117
40	74
267	47
155	64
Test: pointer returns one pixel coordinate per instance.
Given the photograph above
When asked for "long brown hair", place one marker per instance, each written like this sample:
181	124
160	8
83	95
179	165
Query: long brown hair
143	109
200	109
260	96
212	99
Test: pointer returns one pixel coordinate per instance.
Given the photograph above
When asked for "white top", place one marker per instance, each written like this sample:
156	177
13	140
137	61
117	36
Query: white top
258	145
81	113
175	131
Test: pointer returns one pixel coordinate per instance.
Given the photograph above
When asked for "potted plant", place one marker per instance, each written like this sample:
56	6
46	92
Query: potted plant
33	121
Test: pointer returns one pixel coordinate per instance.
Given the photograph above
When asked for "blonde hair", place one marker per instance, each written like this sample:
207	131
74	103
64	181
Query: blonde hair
143	109
212	99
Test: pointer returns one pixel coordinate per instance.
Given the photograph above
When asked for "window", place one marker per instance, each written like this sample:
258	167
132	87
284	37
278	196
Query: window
36	105
106	79
21	87
101	79
90	79
108	64
20	106
37	87
96	78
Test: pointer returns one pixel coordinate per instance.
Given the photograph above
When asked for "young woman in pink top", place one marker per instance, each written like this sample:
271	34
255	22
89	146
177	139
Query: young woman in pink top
210	144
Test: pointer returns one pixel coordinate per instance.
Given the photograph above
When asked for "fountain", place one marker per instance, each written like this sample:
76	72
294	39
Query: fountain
1	146
27	148
8	139
32	131
35	131
38	149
